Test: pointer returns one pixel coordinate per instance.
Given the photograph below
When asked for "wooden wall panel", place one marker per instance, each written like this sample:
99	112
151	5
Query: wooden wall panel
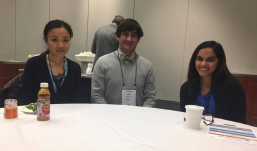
249	85
8	72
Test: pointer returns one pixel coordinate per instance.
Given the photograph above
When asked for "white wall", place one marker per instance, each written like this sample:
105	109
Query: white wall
163	41
102	12
23	21
7	29
75	13
233	23
172	28
31	17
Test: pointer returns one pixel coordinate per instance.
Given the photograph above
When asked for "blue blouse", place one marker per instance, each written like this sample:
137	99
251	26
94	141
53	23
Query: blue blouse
58	80
208	102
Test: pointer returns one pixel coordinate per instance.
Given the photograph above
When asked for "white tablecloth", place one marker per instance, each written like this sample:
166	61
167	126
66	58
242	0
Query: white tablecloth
97	127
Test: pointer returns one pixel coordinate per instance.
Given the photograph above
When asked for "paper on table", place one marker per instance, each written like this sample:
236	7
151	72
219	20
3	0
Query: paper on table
232	133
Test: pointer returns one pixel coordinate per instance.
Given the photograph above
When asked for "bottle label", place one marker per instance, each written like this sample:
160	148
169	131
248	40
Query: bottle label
43	109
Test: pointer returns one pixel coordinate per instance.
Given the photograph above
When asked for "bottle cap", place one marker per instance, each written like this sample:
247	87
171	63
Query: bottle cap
44	85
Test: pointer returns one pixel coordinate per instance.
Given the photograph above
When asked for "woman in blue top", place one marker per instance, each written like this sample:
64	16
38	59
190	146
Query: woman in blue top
62	74
211	85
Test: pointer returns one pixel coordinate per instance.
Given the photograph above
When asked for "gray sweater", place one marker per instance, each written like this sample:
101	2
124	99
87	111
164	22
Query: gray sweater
107	80
104	41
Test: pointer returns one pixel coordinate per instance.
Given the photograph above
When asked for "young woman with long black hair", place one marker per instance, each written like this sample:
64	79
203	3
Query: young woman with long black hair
62	74
211	85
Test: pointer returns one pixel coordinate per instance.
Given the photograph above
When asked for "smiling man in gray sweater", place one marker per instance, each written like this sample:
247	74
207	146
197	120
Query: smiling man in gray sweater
124	77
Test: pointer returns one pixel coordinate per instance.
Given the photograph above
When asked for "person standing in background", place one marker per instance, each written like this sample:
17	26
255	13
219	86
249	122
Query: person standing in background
105	40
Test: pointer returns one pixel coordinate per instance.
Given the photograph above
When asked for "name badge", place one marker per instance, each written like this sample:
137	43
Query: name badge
129	97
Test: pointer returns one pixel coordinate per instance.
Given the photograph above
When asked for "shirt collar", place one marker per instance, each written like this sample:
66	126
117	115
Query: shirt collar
113	24
120	52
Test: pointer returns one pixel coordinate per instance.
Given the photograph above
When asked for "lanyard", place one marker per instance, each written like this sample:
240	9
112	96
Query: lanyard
135	84
54	85
51	67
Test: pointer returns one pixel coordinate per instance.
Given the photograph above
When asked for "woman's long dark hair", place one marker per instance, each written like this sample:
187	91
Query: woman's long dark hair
55	24
221	70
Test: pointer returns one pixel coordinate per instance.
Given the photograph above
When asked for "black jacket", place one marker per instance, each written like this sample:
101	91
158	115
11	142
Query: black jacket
36	71
11	90
230	102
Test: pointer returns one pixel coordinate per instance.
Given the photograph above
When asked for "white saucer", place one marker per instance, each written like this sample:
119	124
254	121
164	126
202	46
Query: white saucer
25	110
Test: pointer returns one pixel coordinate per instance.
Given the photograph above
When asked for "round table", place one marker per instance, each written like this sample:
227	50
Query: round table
103	127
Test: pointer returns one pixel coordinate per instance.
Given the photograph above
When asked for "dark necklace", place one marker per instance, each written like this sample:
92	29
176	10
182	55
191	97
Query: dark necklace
59	73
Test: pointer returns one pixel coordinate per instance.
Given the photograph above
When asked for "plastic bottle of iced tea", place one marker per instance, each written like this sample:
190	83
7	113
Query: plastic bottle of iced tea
43	106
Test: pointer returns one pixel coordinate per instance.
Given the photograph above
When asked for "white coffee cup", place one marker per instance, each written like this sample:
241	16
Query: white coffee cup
193	116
